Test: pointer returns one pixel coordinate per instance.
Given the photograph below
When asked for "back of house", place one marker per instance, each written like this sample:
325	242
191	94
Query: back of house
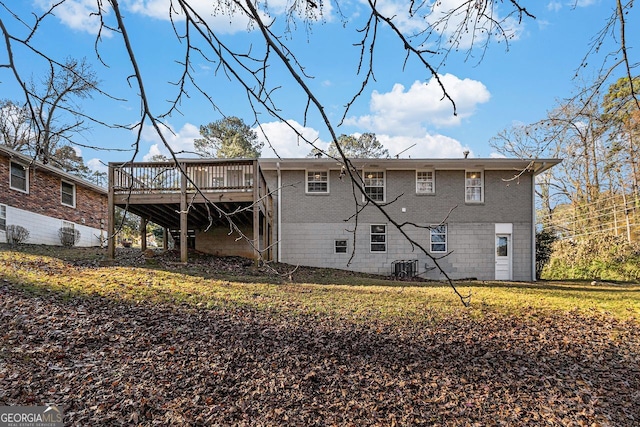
476	217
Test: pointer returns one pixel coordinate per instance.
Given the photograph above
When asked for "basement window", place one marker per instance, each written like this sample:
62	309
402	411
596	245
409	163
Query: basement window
438	238
3	218
378	238
341	246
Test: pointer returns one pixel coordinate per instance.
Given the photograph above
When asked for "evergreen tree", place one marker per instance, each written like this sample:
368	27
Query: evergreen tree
228	138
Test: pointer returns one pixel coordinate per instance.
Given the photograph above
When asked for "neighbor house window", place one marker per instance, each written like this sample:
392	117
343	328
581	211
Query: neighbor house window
379	238
317	182
68	194
3	218
439	238
424	182
341	246
473	186
374	185
19	178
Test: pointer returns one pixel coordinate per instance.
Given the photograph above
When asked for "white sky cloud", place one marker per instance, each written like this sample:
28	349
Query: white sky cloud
289	145
426	146
96	165
223	17
77	14
554	6
406	112
285	141
434	14
218	17
179	141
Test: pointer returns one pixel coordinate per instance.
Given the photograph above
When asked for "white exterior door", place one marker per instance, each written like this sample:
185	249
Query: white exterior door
503	257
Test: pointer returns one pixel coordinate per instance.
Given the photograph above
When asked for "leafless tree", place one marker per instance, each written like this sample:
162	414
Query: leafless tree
54	99
15	131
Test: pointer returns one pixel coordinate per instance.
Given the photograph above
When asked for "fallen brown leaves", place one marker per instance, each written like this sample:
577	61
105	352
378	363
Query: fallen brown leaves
113	363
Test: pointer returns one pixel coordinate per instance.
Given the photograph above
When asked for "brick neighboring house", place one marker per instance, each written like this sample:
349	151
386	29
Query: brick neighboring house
300	211
43	199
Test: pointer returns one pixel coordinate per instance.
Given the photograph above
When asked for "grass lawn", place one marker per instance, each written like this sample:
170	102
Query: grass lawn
150	341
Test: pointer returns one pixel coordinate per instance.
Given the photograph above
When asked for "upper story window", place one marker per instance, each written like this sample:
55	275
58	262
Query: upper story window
374	185
3	218
378	238
425	182
474	187
68	194
19	177
438	238
317	182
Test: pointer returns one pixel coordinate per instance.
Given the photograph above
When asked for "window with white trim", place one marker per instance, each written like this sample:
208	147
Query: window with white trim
68	194
378	238
341	246
438	238
317	182
19	177
3	218
374	185
425	183
473	187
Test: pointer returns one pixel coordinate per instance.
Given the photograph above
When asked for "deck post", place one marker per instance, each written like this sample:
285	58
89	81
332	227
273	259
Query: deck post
143	234
257	181
165	239
184	248
111	244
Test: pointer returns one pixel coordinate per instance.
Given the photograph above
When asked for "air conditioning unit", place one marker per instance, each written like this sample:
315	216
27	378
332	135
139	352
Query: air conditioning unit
401	269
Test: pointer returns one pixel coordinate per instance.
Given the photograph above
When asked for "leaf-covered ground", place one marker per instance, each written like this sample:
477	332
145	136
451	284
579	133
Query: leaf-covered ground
111	361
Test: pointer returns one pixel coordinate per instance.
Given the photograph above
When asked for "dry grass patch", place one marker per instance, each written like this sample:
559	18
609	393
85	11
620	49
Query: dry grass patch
221	342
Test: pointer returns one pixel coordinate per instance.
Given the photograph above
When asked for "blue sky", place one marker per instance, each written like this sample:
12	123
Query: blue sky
402	106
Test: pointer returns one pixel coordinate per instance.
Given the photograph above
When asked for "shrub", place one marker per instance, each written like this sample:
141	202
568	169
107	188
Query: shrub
16	234
544	248
68	236
601	257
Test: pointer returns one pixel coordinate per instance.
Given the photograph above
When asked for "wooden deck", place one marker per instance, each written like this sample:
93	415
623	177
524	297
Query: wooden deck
193	194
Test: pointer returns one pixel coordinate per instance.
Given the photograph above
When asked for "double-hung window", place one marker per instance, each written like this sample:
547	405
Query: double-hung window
378	238
438	238
425	183
317	182
68	194
19	177
341	246
473	187
374	185
3	218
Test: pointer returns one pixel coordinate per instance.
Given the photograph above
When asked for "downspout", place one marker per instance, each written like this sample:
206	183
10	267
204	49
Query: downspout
279	213
533	219
533	227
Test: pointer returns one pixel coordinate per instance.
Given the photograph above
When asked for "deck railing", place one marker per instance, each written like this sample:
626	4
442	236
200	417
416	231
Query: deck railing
166	177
